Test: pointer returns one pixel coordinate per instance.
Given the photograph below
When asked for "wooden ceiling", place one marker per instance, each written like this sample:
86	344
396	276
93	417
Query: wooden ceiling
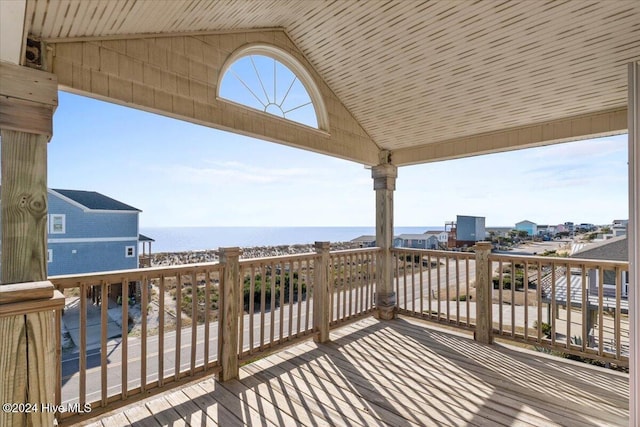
418	75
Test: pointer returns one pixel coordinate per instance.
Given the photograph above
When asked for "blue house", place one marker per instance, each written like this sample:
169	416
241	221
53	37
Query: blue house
528	226
89	232
416	241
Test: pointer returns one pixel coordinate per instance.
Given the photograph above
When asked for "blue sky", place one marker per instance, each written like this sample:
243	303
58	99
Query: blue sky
180	174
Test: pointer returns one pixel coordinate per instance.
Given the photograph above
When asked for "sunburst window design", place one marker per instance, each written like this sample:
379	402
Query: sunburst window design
257	77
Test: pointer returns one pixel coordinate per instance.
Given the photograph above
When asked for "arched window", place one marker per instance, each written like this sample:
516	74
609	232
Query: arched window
268	79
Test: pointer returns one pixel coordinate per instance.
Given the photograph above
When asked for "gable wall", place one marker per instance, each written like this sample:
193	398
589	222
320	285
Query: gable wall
178	76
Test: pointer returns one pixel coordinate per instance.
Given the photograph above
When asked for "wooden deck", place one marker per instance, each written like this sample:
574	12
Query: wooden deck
402	372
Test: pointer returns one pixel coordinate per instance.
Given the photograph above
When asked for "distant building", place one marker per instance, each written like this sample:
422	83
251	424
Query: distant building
469	230
442	236
365	241
619	227
530	227
614	249
416	241
569	227
90	232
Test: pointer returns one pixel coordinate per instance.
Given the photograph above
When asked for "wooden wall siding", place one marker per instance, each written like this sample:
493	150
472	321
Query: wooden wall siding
412	74
178	76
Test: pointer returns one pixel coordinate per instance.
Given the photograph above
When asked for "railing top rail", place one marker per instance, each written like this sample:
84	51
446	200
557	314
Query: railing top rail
577	262
117	275
272	259
372	249
436	252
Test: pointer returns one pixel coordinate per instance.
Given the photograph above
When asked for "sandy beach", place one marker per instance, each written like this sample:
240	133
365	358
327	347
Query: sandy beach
212	255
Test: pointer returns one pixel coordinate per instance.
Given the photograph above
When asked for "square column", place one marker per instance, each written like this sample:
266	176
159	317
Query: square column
633	232
384	183
28	98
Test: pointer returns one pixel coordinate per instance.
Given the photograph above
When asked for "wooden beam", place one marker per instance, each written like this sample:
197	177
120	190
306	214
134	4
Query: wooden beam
28	98
601	123
21	292
634	242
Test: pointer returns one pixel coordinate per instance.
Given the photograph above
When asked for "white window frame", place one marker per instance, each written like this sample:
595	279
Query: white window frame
133	251
52	223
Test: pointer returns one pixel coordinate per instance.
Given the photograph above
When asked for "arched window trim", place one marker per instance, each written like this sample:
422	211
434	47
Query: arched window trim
288	61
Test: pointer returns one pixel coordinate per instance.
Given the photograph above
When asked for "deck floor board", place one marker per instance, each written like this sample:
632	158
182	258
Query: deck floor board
401	372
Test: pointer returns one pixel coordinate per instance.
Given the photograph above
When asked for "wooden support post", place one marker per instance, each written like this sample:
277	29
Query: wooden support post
384	183
321	293
28	352
228	313
484	291
634	241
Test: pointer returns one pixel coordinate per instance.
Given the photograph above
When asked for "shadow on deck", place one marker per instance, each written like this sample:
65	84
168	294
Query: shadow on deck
402	372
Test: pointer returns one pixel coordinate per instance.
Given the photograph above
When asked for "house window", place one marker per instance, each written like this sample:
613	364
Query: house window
130	251
57	224
271	80
49	255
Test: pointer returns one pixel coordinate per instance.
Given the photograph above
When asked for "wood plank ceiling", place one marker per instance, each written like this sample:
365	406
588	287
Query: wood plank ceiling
412	73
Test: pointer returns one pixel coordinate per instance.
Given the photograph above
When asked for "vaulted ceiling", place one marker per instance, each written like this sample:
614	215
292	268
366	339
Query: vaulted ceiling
425	80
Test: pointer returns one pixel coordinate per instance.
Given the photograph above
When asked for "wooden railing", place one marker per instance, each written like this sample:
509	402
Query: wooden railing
574	307
435	285
187	321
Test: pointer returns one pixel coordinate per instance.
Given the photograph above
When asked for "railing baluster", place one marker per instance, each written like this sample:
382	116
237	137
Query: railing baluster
272	304
178	331
281	302
600	311
585	307
299	297
351	282
263	302
430	289
291	285
447	281
83	345
144	303
308	287
554	308
103	340
568	306
207	320
457	290
525	289
514	285
194	320
500	300
161	315
618	312
124	289
252	296
539	302
468	298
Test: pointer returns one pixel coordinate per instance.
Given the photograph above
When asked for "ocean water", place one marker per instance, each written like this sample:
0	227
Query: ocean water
175	239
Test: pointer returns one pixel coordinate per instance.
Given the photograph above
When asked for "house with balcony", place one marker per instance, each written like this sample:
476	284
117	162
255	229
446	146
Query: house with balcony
388	87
